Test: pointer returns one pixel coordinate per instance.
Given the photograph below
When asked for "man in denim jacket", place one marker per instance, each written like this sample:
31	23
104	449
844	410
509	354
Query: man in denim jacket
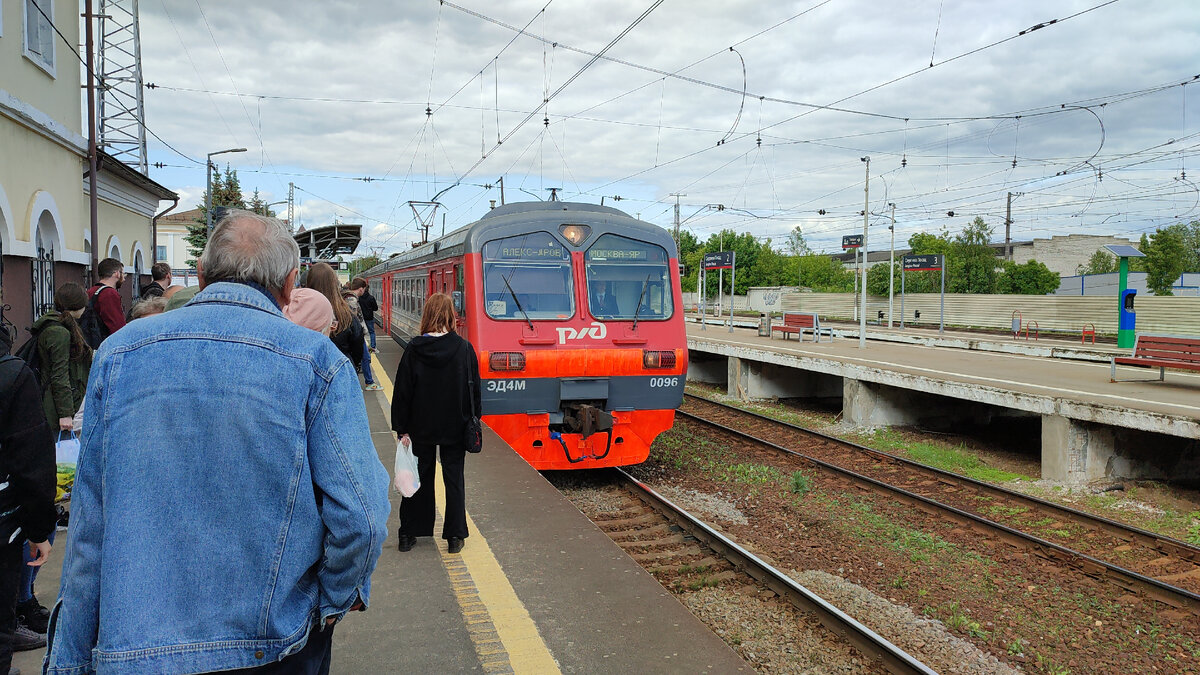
233	527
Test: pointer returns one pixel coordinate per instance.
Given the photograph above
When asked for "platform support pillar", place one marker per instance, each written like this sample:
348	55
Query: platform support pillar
1074	451
868	405
751	380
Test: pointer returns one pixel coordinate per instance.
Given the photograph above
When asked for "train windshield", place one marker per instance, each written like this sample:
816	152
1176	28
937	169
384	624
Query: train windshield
628	278
528	275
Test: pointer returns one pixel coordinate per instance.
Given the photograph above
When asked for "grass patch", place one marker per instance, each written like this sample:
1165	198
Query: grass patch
800	484
1008	511
749	474
956	460
917	545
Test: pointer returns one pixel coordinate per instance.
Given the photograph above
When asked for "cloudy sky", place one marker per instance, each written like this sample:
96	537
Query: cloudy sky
765	108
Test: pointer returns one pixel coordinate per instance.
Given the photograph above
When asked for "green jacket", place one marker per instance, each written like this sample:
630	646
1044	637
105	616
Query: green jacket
64	381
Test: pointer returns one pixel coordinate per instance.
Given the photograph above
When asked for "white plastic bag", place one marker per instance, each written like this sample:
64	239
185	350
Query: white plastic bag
407	480
66	450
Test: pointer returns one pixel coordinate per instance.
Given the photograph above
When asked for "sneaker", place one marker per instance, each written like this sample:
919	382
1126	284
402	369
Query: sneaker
454	544
374	386
374	351
33	615
24	639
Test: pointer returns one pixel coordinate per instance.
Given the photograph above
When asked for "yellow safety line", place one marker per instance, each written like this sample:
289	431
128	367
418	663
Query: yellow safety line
527	652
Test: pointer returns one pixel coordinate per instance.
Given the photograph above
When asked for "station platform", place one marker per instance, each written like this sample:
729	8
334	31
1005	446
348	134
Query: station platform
537	588
1050	345
1083	413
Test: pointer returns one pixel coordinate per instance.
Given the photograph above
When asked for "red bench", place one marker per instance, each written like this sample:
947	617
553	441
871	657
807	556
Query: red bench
796	322
1162	352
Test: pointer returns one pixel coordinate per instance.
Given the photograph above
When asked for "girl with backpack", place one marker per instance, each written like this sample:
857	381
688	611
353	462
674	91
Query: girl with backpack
65	358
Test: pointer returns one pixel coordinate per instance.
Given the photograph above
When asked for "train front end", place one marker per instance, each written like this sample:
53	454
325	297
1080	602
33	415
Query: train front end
577	315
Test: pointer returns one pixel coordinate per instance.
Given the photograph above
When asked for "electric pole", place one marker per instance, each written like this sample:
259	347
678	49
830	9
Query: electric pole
677	195
1008	229
291	206
862	288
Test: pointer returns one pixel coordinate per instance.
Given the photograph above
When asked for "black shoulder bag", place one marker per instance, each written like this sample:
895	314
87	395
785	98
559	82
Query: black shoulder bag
473	434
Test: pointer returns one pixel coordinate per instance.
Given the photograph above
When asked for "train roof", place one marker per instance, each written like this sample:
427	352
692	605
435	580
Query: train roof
522	217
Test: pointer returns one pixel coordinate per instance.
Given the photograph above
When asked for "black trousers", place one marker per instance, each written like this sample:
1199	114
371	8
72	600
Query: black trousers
312	659
417	512
11	561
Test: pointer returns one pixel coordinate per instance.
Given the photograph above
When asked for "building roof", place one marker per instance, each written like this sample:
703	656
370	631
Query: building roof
328	241
109	164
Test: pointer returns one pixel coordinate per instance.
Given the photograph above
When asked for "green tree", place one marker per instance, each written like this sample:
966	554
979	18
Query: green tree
877	279
796	244
227	192
360	265
1101	262
259	205
1030	278
971	265
824	274
1189	235
1166	258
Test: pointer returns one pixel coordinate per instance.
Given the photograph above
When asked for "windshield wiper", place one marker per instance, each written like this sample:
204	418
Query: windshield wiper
514	297
641	297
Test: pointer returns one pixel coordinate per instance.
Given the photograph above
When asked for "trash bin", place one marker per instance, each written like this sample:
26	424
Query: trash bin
764	325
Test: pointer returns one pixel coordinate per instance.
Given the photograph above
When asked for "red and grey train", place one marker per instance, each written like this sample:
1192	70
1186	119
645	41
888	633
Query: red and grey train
576	315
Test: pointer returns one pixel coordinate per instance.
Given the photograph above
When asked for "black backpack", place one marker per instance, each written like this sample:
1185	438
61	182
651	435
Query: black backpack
94	330
29	353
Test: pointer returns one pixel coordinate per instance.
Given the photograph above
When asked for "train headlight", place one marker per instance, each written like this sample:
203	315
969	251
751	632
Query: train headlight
507	360
575	234
652	359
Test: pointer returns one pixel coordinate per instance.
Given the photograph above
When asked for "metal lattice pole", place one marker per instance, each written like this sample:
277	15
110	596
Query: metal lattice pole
122	111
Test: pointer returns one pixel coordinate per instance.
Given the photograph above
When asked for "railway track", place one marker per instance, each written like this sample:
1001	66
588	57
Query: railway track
1163	562
646	533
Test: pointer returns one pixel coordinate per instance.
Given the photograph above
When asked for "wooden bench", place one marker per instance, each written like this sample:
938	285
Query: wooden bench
796	322
1162	352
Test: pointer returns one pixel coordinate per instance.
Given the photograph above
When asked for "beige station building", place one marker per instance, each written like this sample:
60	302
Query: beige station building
45	230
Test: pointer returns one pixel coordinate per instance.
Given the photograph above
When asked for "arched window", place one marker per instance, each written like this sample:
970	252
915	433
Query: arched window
138	270
45	240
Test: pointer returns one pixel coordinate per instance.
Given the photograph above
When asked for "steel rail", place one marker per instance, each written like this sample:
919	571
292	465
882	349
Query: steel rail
1164	544
870	643
1133	581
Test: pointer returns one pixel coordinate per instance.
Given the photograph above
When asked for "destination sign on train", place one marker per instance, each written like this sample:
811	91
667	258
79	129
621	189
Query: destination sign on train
721	260
922	263
525	248
852	241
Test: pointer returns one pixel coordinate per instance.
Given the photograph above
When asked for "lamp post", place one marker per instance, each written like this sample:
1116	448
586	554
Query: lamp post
208	166
892	265
268	206
862	314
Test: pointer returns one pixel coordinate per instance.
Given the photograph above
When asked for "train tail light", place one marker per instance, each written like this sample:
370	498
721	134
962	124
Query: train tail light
652	359
507	360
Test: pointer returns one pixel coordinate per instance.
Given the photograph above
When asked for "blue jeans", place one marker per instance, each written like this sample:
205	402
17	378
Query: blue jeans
29	574
371	330
366	364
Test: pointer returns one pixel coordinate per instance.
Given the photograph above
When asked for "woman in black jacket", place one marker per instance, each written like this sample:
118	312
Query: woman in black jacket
437	391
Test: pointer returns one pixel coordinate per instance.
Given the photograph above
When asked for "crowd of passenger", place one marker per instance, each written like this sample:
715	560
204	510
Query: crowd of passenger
234	529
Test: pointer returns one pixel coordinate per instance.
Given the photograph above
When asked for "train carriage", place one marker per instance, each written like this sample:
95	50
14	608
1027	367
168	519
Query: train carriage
576	314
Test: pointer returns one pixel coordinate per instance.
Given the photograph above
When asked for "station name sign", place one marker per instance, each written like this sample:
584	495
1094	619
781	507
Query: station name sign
922	263
721	260
852	241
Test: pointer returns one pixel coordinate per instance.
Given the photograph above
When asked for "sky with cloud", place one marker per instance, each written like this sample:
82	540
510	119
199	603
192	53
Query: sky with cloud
1078	108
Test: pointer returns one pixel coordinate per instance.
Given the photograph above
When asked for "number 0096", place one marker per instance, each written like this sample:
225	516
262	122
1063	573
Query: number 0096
656	382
